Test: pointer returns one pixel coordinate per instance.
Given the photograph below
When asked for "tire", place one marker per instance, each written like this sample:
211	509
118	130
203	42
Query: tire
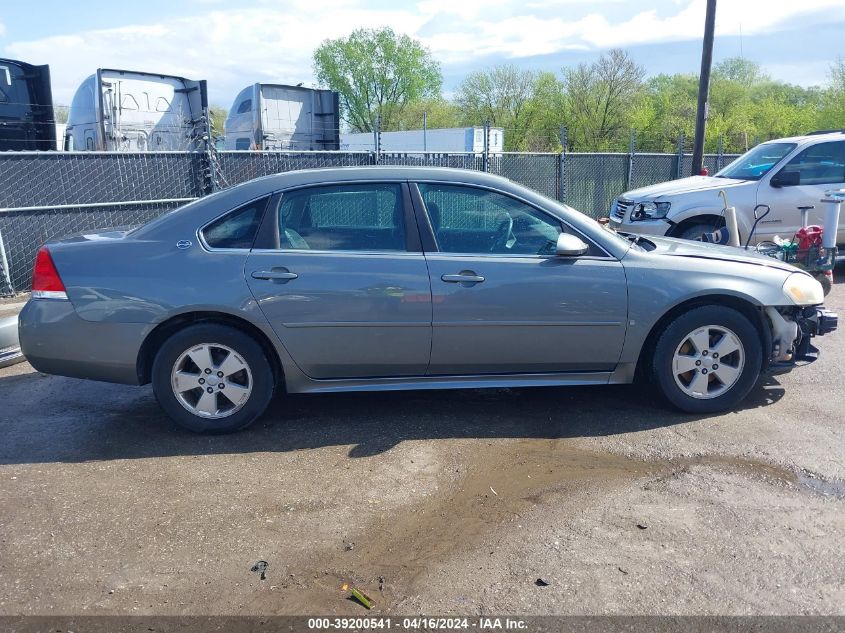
192	396
825	281
696	231
704	389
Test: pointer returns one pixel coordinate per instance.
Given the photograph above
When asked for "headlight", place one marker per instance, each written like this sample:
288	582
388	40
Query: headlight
803	290
650	210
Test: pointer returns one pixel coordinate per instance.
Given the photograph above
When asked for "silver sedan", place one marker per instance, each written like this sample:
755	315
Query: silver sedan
406	278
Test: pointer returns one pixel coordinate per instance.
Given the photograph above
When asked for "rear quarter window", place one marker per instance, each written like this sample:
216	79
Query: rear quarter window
237	229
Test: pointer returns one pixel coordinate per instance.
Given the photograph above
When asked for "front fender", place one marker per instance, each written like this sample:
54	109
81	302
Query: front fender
655	290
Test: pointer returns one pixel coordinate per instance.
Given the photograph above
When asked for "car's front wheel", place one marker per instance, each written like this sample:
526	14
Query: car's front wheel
212	378
707	359
696	231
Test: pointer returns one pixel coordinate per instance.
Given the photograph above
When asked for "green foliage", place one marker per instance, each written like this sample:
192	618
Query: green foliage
832	102
218	115
546	112
377	73
600	99
439	113
502	96
61	112
381	74
746	107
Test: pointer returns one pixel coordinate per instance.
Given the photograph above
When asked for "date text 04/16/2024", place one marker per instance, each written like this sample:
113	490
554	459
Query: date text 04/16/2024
418	622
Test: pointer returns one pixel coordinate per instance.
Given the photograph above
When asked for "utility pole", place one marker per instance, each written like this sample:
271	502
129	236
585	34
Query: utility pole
703	87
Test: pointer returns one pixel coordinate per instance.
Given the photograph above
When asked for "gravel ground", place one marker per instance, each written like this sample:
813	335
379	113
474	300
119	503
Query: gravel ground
431	502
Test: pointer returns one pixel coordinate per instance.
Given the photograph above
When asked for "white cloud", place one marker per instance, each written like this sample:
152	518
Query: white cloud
2	29
528	35
235	47
229	48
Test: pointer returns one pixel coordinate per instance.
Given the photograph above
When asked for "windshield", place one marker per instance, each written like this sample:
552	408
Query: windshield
755	163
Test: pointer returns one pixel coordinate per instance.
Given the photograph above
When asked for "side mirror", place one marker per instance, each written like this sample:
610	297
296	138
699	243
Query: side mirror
786	179
570	246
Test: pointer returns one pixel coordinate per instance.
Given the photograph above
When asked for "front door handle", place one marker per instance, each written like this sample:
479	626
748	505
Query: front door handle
280	275
463	277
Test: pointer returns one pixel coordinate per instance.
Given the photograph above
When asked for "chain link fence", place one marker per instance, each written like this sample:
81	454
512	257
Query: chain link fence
49	195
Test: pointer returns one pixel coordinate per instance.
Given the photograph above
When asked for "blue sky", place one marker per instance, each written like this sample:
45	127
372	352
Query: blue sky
233	44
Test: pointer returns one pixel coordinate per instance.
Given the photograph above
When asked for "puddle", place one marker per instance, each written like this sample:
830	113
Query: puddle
501	483
829	488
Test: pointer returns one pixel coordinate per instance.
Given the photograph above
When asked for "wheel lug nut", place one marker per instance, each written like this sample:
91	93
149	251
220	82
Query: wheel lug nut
202	381
208	371
211	389
715	367
715	355
219	374
704	353
221	385
703	371
697	363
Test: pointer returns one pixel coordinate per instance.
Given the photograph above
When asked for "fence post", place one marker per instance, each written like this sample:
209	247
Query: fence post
485	157
6	287
377	140
679	167
630	171
561	164
720	154
206	157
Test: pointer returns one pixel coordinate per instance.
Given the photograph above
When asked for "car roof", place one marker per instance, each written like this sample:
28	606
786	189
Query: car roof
379	172
806	138
189	217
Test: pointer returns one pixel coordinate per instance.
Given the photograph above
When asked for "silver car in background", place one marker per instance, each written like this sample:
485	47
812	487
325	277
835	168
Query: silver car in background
10	349
385	278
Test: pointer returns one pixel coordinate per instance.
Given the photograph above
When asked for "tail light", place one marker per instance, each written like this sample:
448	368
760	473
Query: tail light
46	283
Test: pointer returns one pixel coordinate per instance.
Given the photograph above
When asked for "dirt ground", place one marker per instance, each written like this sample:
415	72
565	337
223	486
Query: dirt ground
431	502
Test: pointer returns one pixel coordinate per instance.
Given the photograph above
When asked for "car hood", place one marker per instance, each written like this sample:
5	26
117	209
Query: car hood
670	247
683	185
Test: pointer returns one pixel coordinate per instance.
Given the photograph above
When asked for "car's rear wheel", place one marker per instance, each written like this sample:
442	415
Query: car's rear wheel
707	359
212	378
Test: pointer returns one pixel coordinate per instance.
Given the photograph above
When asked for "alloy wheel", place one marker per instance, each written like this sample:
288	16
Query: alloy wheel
708	362
211	380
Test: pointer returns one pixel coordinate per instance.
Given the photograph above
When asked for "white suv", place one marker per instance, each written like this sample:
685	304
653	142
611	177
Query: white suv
785	174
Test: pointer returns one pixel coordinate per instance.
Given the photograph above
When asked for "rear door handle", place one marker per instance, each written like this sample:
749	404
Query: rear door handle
274	274
462	278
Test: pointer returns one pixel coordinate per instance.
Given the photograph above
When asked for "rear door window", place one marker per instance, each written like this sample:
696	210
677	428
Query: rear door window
348	217
820	164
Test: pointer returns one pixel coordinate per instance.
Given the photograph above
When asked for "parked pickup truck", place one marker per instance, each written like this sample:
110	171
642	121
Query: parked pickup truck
785	174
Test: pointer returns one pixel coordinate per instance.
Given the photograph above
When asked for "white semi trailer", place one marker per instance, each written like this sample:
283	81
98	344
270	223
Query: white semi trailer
280	117
454	139
129	111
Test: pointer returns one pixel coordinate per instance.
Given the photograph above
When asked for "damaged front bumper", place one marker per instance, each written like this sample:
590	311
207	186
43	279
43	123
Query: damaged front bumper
792	331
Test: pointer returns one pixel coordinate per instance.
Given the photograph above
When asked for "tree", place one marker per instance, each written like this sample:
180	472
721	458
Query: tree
832	101
500	95
545	115
600	99
218	115
740	70
439	113
61	112
377	73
